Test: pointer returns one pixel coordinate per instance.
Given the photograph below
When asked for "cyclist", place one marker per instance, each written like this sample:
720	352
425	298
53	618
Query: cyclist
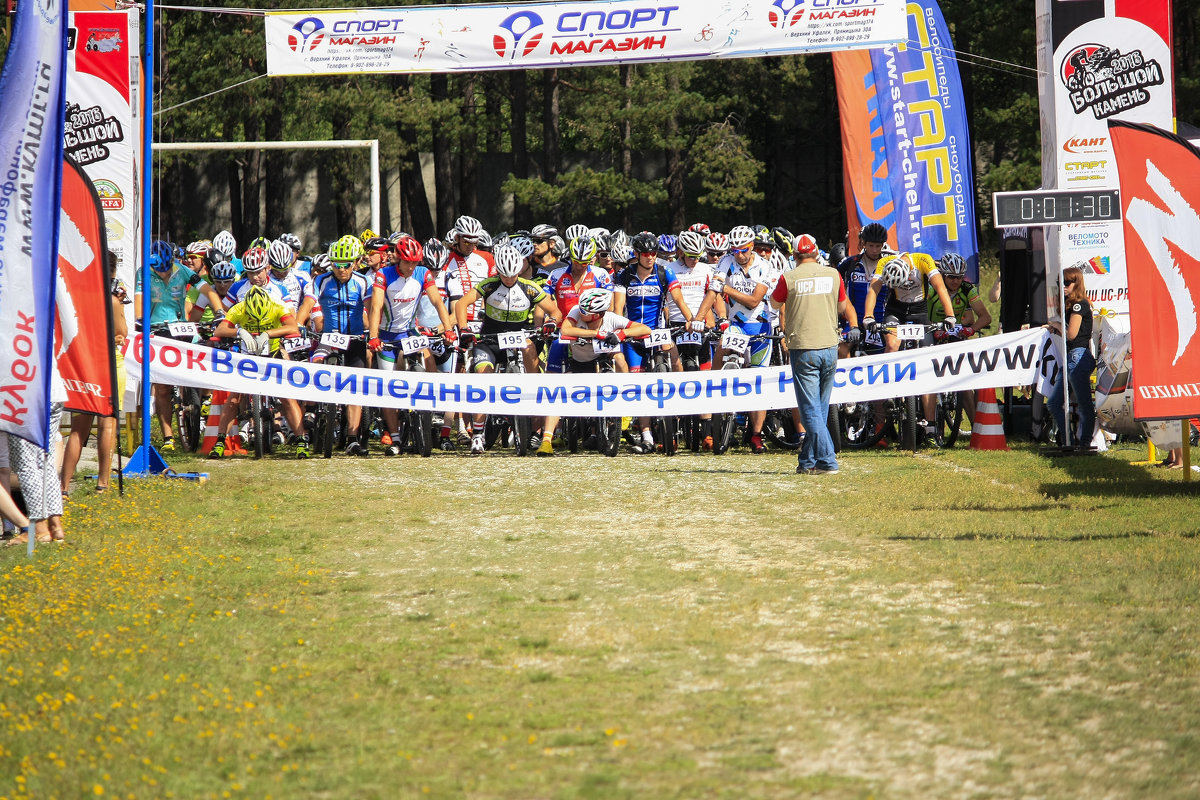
857	272
222	275
507	300
254	273
445	357
297	285
377	254
668	250
342	294
695	274
589	320
225	247
640	294
567	283
467	266
743	278
968	308
169	282
907	275
398	290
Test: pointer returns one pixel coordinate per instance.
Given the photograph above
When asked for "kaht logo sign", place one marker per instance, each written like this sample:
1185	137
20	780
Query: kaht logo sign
516	28
786	13
306	35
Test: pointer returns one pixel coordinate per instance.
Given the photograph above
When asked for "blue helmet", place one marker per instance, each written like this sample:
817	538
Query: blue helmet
162	255
667	245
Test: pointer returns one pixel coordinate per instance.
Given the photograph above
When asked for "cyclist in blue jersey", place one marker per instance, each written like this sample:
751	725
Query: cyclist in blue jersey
856	272
342	294
640	293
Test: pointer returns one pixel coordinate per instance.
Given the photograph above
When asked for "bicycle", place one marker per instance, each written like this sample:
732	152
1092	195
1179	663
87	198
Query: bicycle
329	423
736	347
416	427
666	428
576	430
911	336
187	402
511	347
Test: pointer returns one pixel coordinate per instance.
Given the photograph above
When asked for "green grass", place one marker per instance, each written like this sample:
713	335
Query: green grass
956	624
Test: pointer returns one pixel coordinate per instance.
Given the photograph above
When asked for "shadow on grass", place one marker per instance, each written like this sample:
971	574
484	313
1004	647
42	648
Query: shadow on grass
1098	476
1040	537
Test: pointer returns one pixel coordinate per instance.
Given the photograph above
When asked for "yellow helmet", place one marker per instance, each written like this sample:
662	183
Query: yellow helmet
367	236
257	303
347	248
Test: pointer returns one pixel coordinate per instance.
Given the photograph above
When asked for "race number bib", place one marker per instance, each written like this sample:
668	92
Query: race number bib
910	333
182	330
601	347
294	344
511	340
657	338
413	344
691	337
735	341
336	341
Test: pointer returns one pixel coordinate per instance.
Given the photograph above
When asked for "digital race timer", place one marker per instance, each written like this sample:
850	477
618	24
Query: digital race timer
1055	207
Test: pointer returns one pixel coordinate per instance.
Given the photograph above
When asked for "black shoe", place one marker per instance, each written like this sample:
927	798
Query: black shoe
355	449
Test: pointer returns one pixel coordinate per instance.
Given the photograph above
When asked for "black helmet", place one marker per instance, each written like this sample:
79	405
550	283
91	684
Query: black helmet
762	237
785	242
873	232
645	242
837	253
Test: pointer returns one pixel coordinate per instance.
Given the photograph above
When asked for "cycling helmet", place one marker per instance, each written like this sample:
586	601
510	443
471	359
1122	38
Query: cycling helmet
784	240
595	300
895	271
779	262
377	245
873	232
523	245
741	236
953	264
645	242
162	255
409	249
508	262
367	235
557	246
451	237
257	302
254	259
701	229
396	236
320	263
667	245
261	241
600	235
222	271
806	245
583	249
436	254
618	238
621	253
573	232
763	237
347	248
225	244
692	244
468	227
716	242
837	253
199	248
543	231
484	242
292	241
280	255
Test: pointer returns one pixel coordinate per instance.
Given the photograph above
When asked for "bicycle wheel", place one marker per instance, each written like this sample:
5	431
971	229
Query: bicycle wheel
327	414
908	425
665	435
256	414
778	427
608	435
572	425
949	419
834	424
422	431
190	424
521	431
723	427
858	428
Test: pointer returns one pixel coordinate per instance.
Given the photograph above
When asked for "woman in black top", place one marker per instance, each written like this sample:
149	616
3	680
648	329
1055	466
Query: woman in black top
1080	361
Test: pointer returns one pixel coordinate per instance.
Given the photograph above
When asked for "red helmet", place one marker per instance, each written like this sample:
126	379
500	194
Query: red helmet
409	249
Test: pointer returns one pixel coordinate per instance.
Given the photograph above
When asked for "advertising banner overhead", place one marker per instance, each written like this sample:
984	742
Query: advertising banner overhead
915	177
1160	198
585	32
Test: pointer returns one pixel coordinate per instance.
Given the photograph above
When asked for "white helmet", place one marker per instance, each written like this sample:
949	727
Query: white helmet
523	245
575	231
595	300
692	244
543	231
225	243
895	272
508	261
741	236
779	262
599	234
280	255
451	236
468	227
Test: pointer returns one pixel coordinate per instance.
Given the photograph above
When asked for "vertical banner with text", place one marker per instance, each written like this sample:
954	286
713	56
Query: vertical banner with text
31	135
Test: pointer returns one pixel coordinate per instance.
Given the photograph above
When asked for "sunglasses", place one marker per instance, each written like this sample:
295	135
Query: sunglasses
342	264
739	250
1071	282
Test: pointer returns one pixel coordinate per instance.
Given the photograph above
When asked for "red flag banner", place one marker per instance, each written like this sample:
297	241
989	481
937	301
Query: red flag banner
84	319
1160	199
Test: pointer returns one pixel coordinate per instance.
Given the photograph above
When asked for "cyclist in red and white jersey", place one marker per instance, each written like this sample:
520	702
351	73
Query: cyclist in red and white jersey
716	245
467	265
297	285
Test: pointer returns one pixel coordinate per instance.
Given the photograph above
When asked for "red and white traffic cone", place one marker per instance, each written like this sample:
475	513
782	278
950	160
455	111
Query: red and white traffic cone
987	431
211	426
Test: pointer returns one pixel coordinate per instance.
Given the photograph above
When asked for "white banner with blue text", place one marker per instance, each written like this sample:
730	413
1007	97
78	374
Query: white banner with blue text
1012	359
489	36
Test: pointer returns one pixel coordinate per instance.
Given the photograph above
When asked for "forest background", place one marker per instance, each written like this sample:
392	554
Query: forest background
654	146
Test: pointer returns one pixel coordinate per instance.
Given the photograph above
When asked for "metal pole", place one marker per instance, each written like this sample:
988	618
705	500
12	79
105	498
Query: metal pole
375	185
147	217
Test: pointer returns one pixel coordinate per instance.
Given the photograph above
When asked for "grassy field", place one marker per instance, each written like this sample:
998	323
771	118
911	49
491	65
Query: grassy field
954	624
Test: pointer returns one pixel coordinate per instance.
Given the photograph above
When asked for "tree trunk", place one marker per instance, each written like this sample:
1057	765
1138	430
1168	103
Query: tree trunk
493	112
251	172
274	181
343	189
520	107
626	73
233	179
675	199
443	172
414	217
469	202
551	159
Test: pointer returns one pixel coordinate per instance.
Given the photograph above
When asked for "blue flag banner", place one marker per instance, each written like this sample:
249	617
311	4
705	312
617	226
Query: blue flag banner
31	158
928	148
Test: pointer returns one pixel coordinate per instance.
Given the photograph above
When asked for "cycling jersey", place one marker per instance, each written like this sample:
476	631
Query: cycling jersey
913	289
856	275
961	300
583	349
469	271
693	284
508	308
450	291
277	316
237	293
563	288
401	296
342	303
167	295
298	287
757	273
646	298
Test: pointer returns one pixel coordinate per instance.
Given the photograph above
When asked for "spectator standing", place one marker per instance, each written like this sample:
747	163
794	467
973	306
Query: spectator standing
1080	362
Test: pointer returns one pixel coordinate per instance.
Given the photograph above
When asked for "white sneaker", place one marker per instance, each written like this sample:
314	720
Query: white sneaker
477	444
